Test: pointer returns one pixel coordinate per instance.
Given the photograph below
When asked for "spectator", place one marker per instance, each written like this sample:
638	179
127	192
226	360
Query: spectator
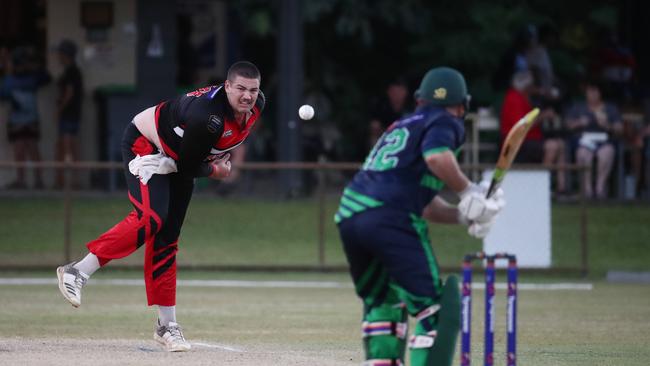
539	63
68	106
546	95
516	104
388	109
594	124
535	148
615	66
514	59
24	75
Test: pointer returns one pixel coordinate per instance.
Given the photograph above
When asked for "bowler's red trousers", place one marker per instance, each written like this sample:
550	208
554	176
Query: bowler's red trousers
159	211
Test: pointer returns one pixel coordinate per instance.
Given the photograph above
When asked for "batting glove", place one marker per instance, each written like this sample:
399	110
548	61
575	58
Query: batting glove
480	229
474	206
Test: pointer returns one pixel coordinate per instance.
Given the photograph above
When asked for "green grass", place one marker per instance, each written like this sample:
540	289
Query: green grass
605	326
257	232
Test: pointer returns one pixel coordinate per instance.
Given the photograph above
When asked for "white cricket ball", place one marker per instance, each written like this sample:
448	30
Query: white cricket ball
306	112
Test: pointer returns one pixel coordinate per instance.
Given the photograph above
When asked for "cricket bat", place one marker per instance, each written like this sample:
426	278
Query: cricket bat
510	147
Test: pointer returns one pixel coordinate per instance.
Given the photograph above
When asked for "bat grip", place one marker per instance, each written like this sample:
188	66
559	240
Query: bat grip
491	189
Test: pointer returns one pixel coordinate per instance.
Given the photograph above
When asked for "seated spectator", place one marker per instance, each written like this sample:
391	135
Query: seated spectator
594	123
537	147
546	96
388	109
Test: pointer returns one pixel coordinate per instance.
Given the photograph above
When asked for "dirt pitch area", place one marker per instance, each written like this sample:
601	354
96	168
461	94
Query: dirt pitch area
65	352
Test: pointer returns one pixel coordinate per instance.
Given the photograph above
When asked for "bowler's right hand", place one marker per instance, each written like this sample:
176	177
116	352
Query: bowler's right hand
220	167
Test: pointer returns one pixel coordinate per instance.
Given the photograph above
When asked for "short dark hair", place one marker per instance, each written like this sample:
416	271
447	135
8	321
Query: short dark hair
244	69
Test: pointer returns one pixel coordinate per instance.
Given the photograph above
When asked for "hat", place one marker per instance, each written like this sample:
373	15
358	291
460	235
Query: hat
67	47
443	86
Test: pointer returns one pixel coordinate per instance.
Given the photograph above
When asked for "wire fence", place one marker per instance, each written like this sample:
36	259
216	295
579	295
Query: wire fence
288	191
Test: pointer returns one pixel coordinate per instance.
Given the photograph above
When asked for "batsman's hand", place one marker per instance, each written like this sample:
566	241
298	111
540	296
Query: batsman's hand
220	167
474	206
480	229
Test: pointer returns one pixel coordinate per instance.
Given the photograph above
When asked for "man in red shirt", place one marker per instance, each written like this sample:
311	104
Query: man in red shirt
515	105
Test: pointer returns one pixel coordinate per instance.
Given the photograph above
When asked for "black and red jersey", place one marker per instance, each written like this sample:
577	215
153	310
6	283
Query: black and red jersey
199	125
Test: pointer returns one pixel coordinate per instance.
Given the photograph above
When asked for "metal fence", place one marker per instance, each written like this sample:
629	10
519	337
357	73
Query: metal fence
320	190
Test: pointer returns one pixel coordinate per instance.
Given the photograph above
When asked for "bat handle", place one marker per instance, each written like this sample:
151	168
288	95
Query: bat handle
491	189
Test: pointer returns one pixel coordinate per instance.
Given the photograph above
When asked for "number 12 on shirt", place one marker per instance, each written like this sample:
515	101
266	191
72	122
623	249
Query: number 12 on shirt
383	155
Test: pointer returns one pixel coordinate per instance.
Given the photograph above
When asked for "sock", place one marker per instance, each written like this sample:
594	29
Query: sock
166	314
88	265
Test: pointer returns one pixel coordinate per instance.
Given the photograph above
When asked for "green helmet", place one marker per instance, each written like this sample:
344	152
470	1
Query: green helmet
443	86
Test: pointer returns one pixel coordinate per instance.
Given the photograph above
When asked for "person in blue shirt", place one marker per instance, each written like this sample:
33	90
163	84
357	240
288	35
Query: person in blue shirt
381	221
20	88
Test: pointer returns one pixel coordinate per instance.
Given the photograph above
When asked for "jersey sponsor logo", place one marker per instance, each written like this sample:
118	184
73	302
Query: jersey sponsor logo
199	92
213	123
440	93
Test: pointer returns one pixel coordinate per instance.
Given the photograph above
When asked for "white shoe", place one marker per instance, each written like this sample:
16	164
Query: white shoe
71	280
171	338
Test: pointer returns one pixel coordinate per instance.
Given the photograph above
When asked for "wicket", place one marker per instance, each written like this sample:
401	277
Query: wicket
511	310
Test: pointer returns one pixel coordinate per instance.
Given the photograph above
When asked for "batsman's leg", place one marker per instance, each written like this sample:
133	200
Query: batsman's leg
385	318
385	327
436	308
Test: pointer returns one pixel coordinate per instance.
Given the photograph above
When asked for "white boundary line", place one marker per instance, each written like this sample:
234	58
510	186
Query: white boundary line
218	346
284	284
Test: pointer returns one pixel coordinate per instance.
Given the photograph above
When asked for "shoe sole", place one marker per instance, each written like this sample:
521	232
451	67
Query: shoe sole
59	274
162	342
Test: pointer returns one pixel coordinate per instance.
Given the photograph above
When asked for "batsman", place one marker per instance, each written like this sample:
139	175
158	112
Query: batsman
382	223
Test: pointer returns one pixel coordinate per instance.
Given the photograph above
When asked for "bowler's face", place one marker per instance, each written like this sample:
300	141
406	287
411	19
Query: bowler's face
242	93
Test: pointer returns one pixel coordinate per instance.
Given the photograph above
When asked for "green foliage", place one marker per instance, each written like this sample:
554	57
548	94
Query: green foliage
354	47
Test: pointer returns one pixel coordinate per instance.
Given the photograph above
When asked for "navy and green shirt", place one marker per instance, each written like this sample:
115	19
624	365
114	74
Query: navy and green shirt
395	173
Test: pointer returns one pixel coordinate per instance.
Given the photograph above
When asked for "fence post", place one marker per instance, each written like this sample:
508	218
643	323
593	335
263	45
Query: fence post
67	210
321	216
584	245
